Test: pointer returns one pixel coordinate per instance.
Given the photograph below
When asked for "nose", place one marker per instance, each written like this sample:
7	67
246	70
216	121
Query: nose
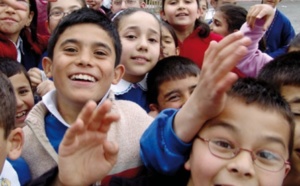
143	44
211	26
123	5
9	9
242	165
84	58
19	101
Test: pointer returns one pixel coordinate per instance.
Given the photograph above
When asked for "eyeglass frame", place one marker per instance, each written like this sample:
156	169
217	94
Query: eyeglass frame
239	149
24	3
125	1
63	14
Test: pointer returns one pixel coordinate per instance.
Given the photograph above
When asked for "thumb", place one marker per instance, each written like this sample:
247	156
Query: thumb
111	150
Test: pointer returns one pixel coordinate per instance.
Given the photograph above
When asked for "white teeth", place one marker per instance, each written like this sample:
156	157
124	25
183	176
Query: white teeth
83	77
20	114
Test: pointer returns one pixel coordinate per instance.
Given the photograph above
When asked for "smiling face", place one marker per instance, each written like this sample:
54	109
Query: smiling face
140	36
181	13
24	97
265	132
219	24
170	95
12	21
168	44
82	66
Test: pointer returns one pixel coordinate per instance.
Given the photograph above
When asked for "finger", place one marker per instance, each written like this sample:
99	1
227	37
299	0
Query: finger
111	150
87	112
71	133
97	118
107	121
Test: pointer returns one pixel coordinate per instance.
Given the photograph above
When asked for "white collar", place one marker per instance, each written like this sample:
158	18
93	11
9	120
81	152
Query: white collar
20	49
9	173
50	102
124	86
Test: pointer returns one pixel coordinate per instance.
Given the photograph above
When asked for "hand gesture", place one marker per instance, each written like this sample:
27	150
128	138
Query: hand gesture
216	78
260	11
85	155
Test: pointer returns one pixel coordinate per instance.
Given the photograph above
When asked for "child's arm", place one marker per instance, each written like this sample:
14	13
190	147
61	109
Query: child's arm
258	20
165	149
85	156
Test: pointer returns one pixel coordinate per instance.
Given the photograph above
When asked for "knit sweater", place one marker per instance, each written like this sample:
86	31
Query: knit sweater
41	156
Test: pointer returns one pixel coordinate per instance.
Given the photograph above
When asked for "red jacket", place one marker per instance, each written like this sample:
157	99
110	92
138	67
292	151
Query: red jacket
194	47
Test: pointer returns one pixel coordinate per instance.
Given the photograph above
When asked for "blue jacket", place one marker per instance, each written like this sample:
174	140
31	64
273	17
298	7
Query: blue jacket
279	35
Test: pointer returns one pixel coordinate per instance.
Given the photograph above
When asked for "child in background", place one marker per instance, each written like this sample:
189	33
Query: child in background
283	72
22	88
18	36
280	32
140	34
117	5
163	83
193	35
169	41
203	7
24	100
83	67
11	138
295	44
231	18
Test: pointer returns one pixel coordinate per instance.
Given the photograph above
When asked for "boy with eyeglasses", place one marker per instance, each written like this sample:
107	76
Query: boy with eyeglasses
117	5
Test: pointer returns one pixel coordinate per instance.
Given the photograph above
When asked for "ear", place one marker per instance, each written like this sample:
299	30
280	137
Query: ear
16	141
177	51
143	4
118	74
287	169
163	15
187	165
47	66
30	17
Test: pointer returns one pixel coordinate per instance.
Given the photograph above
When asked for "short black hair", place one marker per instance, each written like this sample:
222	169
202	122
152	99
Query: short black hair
10	67
283	70
267	97
8	105
85	16
166	69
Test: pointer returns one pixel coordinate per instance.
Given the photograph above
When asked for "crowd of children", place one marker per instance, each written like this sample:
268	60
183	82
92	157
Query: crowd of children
122	96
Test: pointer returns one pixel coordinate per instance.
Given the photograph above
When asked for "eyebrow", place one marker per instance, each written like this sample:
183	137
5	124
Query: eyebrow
295	100
60	8
137	28
275	139
75	41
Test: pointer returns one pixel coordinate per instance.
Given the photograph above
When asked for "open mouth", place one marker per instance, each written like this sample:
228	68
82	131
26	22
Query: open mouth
21	114
83	77
181	14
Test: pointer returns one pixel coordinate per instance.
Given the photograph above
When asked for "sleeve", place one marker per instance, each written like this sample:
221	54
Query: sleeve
287	34
254	60
161	149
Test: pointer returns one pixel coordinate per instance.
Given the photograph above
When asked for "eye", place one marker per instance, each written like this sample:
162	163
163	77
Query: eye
173	97
268	156
100	53
56	13
130	37
153	40
70	50
23	91
222	144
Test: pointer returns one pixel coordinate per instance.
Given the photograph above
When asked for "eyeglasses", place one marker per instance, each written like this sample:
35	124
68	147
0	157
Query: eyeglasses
264	159
57	14
23	3
128	2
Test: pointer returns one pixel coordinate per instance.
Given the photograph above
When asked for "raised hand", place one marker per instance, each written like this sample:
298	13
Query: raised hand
85	155
260	11
216	78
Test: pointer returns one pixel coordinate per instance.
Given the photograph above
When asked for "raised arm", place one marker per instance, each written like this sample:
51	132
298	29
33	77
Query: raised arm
165	144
